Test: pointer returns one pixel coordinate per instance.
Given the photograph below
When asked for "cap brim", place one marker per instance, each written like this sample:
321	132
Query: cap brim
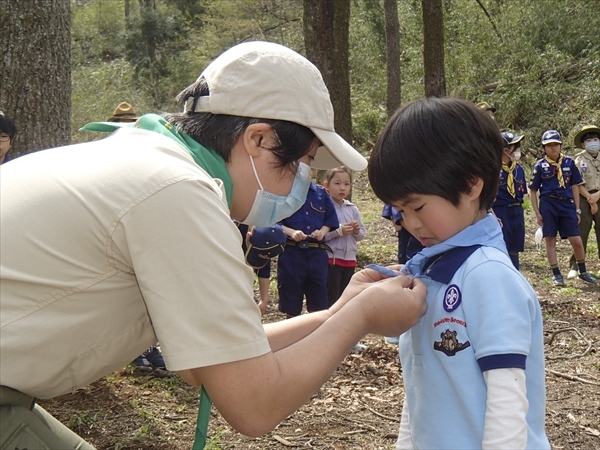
336	152
254	261
516	139
258	258
550	141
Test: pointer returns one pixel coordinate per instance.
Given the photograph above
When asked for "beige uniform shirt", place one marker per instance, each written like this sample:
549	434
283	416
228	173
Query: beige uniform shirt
108	247
590	170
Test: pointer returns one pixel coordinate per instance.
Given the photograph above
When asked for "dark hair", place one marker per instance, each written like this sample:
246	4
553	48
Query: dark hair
437	146
7	126
590	135
342	169
220	132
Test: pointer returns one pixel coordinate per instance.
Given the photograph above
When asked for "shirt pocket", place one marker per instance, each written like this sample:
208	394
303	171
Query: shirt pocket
317	208
548	172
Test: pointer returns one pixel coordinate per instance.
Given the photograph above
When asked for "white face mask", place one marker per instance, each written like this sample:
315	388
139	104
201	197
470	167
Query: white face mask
592	147
515	156
269	208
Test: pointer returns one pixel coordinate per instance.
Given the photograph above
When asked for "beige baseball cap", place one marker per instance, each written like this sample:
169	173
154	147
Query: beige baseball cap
270	81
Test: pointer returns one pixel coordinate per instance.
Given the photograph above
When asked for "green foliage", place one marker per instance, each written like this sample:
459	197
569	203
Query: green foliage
83	419
153	42
537	61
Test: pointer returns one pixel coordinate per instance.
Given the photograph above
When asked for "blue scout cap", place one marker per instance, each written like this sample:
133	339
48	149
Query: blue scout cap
265	243
510	138
551	136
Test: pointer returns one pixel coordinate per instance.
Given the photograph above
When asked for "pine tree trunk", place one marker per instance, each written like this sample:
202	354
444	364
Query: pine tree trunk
35	72
433	48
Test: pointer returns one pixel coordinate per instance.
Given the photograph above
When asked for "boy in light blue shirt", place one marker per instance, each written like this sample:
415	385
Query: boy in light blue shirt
473	366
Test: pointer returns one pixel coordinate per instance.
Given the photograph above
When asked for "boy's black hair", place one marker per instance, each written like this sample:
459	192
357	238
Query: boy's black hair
220	132
8	126
437	146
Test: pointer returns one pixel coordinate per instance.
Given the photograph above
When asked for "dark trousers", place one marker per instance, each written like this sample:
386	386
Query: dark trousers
337	279
585	226
302	272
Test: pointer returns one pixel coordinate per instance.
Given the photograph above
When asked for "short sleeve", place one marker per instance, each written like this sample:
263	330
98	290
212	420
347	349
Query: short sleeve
499	312
577	178
536	178
187	257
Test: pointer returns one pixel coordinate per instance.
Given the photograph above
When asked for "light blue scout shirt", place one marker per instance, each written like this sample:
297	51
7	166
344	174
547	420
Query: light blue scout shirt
482	314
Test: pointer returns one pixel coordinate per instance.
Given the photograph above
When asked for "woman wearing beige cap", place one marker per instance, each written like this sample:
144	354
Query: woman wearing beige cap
137	245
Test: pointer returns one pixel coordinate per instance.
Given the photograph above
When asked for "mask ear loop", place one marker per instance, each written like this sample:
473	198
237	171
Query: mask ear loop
256	174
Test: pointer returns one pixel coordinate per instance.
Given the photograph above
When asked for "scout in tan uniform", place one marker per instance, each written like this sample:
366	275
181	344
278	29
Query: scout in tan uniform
588	164
112	245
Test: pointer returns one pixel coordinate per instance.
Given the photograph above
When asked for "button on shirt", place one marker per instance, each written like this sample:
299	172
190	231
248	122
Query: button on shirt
544	179
590	170
318	210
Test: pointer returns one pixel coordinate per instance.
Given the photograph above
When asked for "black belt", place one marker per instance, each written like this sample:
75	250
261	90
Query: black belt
560	198
309	244
507	206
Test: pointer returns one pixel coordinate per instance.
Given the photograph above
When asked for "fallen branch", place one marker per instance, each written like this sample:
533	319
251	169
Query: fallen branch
284	441
383	416
571	377
563	330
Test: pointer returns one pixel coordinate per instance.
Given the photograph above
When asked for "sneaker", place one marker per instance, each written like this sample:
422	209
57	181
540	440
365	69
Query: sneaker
359	348
558	280
572	274
392	340
142	365
154	357
587	277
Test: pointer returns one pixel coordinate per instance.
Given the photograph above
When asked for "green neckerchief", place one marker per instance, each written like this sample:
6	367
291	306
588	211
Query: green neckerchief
206	158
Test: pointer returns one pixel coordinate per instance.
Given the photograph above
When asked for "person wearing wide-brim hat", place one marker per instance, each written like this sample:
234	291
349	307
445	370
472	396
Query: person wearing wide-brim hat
123	113
588	163
138	245
490	110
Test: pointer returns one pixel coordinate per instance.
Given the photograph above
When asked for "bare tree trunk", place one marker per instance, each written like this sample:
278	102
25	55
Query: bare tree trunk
35	71
433	48
127	13
392	43
326	33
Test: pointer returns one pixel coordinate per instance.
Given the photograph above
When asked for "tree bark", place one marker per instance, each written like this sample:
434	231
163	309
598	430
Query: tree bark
392	44
35	72
433	48
326	35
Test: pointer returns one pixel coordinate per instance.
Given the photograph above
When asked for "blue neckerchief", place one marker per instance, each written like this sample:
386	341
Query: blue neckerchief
206	158
485	232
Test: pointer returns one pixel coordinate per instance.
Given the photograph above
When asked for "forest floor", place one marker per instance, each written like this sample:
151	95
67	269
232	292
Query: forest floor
360	405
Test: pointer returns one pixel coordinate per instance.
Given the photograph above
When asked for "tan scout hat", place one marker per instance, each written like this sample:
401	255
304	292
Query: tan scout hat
486	107
585	130
270	81
123	113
